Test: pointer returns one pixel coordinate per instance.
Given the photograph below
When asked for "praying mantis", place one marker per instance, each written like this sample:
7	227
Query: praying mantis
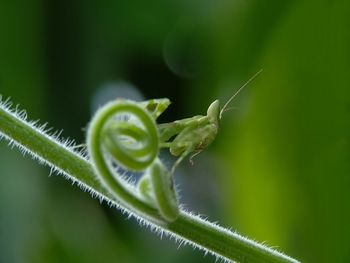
190	135
128	133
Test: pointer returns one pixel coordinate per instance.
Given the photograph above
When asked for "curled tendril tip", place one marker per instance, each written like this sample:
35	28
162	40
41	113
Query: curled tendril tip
125	132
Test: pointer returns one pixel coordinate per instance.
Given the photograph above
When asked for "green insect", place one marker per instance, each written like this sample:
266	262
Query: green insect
190	135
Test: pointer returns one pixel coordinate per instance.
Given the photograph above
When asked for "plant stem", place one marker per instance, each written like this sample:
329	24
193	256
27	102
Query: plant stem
188	228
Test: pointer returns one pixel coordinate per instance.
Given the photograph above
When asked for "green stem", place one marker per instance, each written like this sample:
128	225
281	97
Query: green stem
199	232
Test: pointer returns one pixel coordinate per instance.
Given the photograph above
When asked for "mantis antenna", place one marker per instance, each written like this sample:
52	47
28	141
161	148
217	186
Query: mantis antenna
238	91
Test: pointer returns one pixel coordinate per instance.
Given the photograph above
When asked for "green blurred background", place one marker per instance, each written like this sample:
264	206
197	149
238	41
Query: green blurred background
279	169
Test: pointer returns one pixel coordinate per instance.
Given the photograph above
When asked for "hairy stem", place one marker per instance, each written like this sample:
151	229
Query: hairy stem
188	228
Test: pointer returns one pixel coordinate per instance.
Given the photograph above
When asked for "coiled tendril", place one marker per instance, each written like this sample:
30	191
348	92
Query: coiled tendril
133	143
126	132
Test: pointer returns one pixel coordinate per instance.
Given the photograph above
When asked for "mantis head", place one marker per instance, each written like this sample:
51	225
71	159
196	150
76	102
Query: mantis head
213	111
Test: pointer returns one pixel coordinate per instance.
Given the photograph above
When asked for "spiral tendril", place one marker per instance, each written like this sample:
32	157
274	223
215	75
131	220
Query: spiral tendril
132	143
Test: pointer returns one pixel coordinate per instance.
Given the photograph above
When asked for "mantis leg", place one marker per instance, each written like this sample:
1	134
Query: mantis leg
194	155
165	145
170	129
179	160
